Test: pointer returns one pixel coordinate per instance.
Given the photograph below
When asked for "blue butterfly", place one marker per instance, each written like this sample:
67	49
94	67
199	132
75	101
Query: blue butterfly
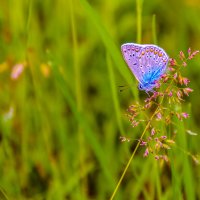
147	62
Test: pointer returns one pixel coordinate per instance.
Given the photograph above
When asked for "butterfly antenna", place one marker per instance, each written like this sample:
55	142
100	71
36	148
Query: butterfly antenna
123	87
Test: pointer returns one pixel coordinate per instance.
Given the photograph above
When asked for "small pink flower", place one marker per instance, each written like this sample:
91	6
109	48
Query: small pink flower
186	81
156	139
163	137
165	79
146	153
159	116
143	143
170	94
132	117
124	139
180	79
171	69
164	157
184	64
157	146
149	138
160	143
193	54
157	157
135	115
185	115
164	75
175	75
134	123
161	94
157	85
17	70
189	51
187	91
148	105
168	119
153	131
182	56
172	62
132	109
179	116
179	94
147	100
155	95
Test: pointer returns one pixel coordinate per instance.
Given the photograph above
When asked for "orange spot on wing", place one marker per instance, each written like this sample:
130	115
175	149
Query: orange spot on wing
160	54
137	49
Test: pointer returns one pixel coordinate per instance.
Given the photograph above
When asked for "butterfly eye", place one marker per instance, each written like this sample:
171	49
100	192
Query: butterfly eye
140	87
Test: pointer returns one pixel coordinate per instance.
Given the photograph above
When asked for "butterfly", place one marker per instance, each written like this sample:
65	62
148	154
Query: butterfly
147	62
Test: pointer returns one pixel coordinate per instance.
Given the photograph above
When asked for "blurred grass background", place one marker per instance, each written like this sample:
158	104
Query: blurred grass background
61	119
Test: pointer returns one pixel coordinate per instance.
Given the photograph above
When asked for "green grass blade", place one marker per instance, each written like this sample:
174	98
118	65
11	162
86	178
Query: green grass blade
114	95
110	45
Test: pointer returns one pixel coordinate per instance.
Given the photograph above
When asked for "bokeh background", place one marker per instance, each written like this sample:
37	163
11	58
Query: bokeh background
61	112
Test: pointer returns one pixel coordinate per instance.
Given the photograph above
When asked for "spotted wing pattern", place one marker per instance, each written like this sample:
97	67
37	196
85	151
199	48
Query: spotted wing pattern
131	53
147	62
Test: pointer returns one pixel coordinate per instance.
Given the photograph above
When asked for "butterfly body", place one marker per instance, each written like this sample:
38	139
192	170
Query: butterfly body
147	62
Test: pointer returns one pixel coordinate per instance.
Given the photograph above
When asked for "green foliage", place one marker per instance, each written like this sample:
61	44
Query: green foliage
61	112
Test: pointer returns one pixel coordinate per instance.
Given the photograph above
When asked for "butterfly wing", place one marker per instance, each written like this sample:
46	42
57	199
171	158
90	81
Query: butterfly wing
153	60
147	62
131	53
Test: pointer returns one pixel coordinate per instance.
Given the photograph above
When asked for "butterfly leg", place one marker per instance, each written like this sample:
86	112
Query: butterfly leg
148	93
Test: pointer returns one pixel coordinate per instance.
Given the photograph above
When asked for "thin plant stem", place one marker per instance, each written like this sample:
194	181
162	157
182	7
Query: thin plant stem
77	75
137	146
29	17
131	158
154	29
139	20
